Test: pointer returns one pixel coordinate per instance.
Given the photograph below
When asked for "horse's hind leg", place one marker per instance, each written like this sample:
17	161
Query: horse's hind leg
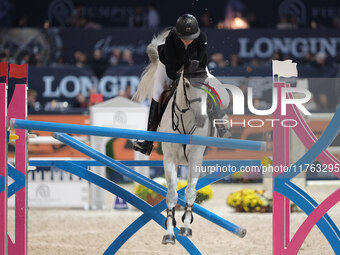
195	161
170	169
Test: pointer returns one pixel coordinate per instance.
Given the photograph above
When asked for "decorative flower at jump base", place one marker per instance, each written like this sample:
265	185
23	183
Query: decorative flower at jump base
249	200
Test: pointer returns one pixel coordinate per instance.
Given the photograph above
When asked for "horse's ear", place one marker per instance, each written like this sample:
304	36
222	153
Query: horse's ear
186	82
193	67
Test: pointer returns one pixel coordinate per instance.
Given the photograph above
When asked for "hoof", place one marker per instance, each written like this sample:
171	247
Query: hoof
168	239
185	232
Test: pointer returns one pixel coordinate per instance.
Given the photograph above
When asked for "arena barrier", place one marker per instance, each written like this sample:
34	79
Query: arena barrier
284	190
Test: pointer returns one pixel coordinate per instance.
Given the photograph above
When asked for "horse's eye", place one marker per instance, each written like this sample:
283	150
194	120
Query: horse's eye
187	85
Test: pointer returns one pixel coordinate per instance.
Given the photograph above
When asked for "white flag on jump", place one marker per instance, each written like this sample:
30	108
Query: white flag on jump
284	68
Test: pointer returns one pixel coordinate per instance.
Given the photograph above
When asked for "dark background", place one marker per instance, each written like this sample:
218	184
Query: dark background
115	13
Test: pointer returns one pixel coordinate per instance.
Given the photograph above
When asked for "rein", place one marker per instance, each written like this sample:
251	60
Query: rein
178	113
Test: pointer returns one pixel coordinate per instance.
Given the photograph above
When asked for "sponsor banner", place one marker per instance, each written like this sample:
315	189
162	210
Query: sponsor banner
247	44
262	43
65	83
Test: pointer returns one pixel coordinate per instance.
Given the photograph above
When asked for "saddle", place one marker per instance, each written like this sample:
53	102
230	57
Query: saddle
164	100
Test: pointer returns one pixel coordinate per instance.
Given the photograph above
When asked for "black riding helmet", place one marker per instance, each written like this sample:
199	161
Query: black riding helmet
187	27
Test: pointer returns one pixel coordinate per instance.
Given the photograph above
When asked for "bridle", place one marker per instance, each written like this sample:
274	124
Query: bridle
177	112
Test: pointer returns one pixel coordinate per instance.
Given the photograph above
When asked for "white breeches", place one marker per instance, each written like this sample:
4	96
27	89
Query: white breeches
160	80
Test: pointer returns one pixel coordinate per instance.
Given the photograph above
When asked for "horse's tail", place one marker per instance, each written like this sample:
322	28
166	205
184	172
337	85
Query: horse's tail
147	78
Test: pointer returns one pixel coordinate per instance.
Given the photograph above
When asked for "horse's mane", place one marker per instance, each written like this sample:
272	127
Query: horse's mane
147	78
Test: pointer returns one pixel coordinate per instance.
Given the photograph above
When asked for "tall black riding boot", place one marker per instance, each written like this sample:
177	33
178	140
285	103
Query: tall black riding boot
145	147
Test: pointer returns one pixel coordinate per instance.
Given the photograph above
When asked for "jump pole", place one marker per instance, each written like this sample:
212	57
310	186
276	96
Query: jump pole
160	189
138	134
80	168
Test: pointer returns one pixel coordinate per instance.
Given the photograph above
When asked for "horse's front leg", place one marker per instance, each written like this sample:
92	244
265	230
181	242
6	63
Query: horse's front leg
170	169
195	163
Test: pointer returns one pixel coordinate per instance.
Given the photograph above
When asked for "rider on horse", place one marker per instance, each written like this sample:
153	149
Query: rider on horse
184	43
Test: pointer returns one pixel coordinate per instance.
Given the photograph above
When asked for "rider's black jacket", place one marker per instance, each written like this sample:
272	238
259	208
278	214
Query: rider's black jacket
174	55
